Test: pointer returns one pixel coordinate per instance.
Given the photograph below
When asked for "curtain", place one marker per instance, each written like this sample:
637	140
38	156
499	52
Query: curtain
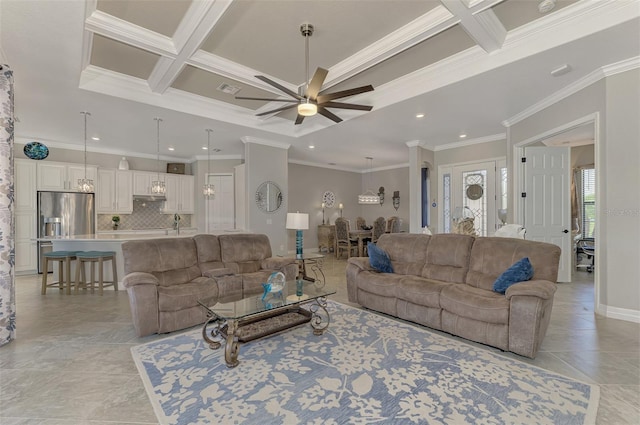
7	282
575	202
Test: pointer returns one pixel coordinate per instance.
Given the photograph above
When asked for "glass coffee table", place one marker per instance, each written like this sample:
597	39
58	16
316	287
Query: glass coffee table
245	318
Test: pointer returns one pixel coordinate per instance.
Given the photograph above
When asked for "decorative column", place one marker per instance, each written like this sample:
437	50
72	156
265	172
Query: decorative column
7	232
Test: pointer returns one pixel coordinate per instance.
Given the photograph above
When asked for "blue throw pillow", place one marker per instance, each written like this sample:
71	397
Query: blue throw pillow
520	271
379	259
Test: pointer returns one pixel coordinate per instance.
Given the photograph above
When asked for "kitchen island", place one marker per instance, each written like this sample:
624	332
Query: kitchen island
111	241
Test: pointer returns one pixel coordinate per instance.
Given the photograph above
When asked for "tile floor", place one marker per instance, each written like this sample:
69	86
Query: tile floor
71	364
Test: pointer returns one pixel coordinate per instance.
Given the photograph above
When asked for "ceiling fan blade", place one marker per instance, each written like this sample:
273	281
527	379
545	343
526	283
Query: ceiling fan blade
299	119
280	87
346	106
328	114
344	93
284	108
316	83
265	99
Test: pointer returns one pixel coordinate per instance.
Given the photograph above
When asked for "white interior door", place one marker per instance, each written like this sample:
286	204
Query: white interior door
547	206
474	187
220	209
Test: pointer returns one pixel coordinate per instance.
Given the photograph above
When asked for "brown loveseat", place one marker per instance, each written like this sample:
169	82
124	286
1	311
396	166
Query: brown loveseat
445	282
165	278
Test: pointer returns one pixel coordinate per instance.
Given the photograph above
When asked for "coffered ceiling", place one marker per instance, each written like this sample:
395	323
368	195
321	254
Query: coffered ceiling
468	65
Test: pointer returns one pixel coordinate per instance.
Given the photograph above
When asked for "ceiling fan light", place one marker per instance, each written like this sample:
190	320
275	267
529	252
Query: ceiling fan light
307	109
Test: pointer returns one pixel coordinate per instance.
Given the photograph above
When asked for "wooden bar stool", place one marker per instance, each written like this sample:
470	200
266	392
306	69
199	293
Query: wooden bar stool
64	259
94	257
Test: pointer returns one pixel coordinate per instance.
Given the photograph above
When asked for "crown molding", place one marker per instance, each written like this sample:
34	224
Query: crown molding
318	165
273	144
576	21
414	143
431	23
483	27
193	30
226	68
216	157
111	83
573	88
23	140
470	142
126	32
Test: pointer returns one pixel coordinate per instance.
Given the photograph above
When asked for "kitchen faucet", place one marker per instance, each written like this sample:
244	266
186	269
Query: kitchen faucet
176	223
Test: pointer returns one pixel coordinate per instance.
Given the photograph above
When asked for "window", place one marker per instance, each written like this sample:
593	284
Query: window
588	201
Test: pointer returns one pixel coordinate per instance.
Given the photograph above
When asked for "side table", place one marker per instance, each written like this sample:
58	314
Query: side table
326	237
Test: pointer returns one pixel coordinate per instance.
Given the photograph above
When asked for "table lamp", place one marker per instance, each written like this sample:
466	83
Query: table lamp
299	222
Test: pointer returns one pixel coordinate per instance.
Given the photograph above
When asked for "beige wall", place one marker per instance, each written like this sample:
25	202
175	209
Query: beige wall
267	163
306	186
583	155
392	180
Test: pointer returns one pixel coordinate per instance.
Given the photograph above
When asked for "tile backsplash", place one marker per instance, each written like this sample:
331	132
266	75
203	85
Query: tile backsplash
146	215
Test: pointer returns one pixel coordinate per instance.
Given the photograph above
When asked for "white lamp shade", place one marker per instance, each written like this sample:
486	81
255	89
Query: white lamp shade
297	221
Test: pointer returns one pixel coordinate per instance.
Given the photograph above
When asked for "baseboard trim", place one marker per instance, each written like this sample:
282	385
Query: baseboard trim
619	313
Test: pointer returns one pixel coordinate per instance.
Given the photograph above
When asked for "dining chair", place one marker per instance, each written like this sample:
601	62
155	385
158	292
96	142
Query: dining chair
343	241
393	225
379	227
360	223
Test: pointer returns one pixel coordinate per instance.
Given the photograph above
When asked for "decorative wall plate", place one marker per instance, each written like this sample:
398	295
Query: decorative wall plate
36	150
474	192
329	199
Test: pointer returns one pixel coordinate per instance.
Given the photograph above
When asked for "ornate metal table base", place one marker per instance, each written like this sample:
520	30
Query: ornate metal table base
231	329
318	310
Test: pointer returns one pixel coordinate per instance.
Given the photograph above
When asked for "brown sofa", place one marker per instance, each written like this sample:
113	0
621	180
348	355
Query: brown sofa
445	282
165	278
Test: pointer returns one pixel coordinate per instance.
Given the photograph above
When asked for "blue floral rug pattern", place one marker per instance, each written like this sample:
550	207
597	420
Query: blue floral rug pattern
366	369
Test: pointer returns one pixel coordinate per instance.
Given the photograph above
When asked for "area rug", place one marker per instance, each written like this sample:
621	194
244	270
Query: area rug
365	369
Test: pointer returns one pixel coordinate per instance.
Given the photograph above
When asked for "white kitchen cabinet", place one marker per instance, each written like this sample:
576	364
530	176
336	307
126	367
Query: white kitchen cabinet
60	176
25	184
142	181
26	250
180	194
114	192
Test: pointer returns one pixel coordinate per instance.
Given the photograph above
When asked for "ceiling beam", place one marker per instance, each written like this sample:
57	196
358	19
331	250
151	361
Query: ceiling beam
193	30
483	27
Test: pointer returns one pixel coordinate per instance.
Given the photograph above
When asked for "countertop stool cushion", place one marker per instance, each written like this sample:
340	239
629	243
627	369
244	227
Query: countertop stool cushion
64	259
94	257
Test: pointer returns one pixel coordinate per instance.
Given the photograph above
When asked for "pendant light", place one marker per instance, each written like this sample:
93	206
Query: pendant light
157	186
85	185
208	190
369	197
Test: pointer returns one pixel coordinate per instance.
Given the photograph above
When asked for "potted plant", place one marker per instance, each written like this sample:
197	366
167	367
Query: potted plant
115	221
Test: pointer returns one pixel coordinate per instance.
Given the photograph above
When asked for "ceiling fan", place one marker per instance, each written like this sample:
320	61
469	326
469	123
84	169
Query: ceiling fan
313	101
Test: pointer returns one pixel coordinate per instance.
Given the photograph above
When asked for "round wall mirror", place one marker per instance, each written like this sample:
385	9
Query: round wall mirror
268	197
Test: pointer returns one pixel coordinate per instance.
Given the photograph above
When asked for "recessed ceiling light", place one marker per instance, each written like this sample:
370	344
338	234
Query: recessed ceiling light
419	115
96	138
312	147
462	136
204	148
171	148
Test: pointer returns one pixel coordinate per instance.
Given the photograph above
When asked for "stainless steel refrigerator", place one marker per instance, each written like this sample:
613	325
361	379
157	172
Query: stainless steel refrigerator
63	214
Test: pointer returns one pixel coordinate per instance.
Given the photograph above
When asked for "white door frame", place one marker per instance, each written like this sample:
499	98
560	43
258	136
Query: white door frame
518	181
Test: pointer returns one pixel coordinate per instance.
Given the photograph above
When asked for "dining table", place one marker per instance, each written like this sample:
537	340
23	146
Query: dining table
362	236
